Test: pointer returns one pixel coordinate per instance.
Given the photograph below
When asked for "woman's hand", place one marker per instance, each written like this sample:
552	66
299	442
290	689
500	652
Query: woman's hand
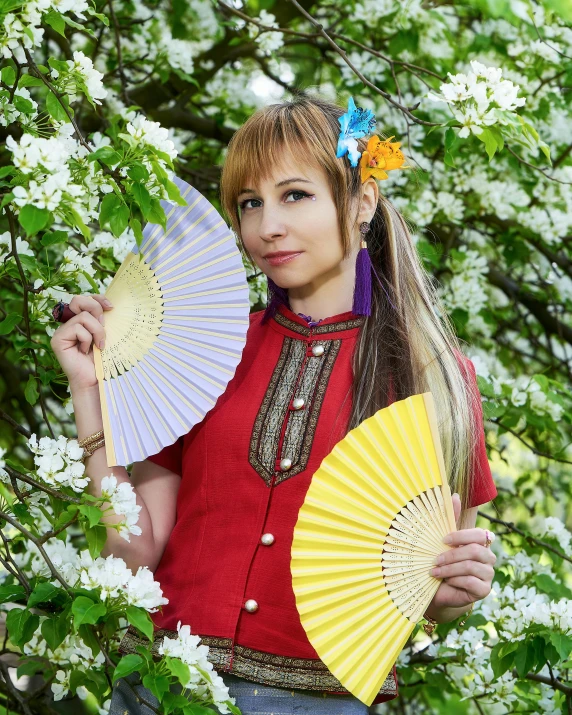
467	569
72	341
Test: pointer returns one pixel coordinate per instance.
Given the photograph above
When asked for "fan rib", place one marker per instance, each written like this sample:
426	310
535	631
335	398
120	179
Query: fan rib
163	273
193	370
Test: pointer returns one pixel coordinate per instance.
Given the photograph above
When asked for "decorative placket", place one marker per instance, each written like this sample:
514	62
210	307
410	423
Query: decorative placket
286	423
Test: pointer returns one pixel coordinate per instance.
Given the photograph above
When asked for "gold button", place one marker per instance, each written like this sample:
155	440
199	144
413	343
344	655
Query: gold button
318	350
285	464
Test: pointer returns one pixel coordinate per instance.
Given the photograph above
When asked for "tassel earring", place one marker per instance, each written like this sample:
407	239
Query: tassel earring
362	289
276	296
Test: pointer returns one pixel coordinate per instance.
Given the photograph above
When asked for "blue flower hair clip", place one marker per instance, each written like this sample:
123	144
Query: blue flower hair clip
355	123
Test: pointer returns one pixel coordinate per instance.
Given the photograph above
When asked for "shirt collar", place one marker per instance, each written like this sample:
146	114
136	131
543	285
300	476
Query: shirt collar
340	326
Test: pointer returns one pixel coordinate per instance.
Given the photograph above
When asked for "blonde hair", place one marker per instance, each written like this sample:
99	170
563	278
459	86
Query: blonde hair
408	343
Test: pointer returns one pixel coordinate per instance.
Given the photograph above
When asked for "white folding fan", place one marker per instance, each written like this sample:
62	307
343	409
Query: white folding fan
371	524
176	332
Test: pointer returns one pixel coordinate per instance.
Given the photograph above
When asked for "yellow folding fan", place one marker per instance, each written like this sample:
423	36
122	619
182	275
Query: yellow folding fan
367	534
176	332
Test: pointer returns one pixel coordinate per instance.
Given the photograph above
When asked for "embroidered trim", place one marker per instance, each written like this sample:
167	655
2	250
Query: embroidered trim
279	670
318	329
286	383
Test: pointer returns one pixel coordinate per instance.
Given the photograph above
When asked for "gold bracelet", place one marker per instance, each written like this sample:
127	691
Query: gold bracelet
91	443
430	626
467	614
90	449
92	438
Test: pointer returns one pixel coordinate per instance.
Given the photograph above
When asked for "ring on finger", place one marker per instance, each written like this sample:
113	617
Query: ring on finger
489	538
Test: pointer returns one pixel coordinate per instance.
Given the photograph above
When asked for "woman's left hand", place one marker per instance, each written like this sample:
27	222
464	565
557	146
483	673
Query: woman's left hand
467	569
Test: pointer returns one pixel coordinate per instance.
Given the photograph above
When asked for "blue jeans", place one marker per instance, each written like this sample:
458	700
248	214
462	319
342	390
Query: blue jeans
251	698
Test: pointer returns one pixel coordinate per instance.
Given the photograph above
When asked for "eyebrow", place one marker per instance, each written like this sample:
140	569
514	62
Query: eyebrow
280	183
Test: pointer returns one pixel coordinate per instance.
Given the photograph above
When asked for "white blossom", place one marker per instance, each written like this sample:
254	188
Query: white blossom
122	498
58	462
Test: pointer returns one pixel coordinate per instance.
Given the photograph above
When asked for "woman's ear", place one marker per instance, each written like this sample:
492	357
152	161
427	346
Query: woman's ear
370	196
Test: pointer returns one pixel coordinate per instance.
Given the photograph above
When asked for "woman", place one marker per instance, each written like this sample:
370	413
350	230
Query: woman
220	504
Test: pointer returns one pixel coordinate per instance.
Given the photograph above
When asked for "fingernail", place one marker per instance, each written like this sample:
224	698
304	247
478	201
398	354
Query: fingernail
101	344
447	539
439	559
435	571
102	319
107	303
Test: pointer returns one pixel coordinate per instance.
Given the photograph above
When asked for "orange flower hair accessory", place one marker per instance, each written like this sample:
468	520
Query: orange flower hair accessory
380	157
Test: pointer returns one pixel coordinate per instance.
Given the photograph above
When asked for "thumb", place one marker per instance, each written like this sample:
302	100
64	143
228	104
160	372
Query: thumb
456	507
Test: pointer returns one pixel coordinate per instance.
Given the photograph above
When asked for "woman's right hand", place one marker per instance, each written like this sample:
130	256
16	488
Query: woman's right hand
72	341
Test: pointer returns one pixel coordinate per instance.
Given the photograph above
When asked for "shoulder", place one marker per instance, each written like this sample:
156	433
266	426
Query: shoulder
256	317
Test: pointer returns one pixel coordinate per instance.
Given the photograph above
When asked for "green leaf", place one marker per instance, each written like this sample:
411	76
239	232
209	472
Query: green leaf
157	214
33	219
55	630
196	709
91	513
55	108
139	618
136	228
490	142
172	701
127	665
31	390
141	195
524	659
157	684
119	221
30	667
78	222
562	643
502	657
115	213
85	611
55	20
45	592
88	637
28	80
138	172
562	8
21	625
174	194
179	669
96	537
108	207
547	585
8	75
22	104
12	593
105	154
50	238
5	170
9	322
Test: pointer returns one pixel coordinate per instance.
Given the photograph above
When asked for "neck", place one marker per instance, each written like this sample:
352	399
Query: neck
328	295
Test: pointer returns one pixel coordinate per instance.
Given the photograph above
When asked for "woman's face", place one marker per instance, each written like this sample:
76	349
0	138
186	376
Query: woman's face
289	225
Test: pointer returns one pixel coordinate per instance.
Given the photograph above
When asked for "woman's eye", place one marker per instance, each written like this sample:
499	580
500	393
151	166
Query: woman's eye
303	194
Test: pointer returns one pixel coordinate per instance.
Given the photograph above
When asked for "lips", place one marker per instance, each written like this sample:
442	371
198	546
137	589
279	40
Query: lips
280	257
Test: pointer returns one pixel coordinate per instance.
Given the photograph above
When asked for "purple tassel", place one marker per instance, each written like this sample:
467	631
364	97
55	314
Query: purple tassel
362	289
277	297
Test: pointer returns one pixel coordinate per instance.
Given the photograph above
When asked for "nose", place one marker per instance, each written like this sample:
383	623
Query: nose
271	226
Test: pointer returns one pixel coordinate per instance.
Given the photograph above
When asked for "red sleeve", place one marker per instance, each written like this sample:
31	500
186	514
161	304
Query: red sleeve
481	484
170	457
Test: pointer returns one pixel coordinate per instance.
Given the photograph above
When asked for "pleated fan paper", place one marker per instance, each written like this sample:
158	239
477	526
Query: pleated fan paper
366	537
176	332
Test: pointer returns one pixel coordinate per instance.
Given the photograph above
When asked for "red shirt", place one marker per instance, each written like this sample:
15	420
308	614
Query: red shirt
221	577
